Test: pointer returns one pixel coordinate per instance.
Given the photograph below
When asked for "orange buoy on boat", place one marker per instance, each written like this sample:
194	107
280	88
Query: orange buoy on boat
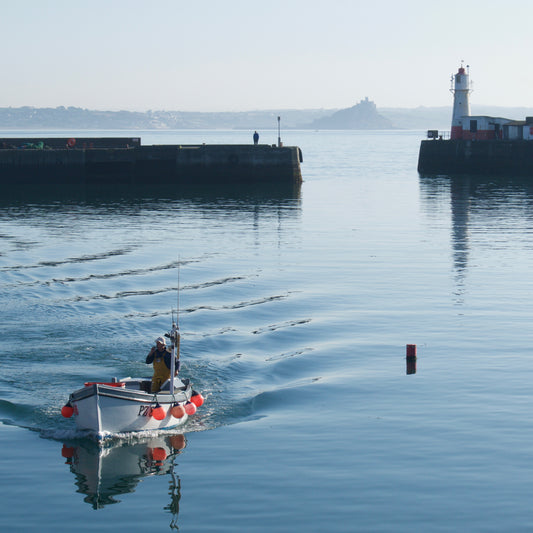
190	408
177	411
158	412
197	399
67	410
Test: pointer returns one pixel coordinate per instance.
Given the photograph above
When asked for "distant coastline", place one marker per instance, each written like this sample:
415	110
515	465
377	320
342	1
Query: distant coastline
61	118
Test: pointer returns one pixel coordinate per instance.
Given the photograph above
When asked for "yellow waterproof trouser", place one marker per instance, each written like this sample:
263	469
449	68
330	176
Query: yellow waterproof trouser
161	374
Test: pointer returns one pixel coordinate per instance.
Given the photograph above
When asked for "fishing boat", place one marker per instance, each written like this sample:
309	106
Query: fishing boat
127	404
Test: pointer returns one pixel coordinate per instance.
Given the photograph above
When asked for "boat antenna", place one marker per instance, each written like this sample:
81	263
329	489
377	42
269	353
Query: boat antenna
178	298
175	334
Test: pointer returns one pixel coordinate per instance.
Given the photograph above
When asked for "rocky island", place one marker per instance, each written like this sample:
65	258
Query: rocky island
362	116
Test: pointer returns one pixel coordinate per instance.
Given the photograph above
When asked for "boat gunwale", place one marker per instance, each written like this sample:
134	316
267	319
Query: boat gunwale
163	397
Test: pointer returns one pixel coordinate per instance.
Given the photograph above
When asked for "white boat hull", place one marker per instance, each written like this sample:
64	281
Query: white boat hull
122	407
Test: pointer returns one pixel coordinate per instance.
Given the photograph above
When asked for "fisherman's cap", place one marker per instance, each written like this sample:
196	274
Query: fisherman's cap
161	340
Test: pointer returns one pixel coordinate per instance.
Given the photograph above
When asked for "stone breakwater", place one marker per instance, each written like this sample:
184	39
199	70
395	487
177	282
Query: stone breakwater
458	156
114	160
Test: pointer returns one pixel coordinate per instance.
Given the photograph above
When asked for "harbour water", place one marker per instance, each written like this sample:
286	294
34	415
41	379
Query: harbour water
295	312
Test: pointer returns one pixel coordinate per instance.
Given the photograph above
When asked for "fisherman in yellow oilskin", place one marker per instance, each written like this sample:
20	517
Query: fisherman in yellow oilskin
161	358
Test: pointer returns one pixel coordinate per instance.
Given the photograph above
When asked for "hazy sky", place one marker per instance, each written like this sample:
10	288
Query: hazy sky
230	55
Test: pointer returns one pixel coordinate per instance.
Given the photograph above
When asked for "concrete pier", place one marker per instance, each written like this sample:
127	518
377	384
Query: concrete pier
125	160
491	157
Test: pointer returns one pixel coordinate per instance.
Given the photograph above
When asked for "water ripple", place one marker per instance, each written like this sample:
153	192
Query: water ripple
70	260
288	324
240	305
289	354
151	292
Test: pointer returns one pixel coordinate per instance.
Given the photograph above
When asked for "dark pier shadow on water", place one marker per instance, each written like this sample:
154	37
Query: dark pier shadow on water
489	198
106	473
100	194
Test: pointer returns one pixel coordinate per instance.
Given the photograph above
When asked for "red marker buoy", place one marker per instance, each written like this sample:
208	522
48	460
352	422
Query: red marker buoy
410	359
158	412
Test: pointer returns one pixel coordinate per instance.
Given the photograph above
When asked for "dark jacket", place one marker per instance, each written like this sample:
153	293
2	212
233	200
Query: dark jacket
167	358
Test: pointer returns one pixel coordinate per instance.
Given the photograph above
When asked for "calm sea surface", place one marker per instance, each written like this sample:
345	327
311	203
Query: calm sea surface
295	311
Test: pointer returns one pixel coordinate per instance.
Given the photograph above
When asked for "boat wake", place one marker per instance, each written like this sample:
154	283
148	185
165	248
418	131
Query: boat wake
241	359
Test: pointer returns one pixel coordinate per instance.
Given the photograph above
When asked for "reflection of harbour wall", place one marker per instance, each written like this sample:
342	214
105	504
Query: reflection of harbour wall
475	157
237	197
84	161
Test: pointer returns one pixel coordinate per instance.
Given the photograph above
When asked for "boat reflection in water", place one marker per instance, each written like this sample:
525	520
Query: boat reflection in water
105	472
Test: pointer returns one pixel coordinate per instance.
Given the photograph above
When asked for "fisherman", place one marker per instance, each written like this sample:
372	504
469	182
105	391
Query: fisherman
161	357
256	137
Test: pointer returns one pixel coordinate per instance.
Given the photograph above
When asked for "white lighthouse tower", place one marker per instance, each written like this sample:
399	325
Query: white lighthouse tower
461	100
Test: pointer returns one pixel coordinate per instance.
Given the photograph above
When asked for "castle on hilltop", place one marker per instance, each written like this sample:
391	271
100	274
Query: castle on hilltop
362	116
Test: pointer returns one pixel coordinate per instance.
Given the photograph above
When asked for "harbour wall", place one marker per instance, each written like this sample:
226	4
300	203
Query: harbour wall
491	157
92	161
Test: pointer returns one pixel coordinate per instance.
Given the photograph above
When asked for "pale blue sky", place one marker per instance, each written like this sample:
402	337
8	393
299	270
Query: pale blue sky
207	55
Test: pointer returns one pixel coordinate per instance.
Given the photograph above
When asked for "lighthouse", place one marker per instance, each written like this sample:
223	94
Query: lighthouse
461	101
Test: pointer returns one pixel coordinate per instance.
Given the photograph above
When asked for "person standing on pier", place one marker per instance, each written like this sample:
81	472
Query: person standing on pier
256	137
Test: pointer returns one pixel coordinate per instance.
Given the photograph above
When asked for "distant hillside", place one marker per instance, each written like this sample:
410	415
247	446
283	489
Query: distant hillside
426	118
363	116
78	118
419	118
